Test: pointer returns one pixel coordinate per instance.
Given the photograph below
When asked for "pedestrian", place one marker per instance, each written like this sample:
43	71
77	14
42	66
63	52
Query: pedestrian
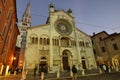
101	68
74	71
35	69
104	68
107	69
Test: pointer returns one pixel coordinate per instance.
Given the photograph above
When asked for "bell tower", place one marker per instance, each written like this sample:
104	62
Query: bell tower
26	17
21	40
51	8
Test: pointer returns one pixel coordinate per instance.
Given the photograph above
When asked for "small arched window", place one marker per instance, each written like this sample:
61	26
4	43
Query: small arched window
32	39
57	42
53	41
48	41
83	44
80	43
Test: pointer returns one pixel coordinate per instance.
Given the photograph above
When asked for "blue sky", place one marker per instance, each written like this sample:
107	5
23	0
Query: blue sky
90	15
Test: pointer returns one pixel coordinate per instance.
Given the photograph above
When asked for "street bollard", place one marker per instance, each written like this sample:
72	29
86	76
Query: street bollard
83	72
23	75
71	74
117	68
42	76
1	69
58	74
7	69
109	70
8	72
14	72
100	71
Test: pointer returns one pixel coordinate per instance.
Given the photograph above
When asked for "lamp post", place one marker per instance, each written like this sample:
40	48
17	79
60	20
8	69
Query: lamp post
14	58
13	63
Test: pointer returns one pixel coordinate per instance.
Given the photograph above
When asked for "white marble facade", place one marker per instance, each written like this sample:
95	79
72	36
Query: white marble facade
59	44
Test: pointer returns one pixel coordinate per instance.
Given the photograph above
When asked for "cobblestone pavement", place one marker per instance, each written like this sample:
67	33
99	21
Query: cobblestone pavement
109	76
11	77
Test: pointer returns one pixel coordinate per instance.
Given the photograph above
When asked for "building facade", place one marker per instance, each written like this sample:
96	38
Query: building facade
58	44
106	45
21	39
8	33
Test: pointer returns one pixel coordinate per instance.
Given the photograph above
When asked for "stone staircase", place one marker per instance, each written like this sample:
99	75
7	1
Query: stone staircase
30	74
86	72
50	75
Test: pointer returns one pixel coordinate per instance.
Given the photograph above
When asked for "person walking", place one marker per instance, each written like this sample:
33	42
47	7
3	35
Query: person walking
74	71
104	68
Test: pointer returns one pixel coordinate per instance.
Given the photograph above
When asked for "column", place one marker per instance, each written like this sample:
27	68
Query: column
38	51
1	69
7	68
51	43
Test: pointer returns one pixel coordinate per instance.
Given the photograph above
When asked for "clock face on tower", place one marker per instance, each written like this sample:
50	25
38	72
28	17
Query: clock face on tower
63	27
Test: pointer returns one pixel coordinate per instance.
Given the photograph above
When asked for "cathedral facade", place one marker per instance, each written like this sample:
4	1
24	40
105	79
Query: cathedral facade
58	44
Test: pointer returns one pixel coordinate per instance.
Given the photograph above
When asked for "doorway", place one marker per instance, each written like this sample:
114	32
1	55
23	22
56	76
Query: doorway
65	60
83	63
43	66
43	61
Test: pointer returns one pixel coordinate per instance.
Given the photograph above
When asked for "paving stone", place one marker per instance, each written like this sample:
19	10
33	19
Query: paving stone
108	76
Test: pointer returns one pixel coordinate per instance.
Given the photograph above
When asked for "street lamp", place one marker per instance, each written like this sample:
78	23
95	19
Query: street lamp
14	62
14	58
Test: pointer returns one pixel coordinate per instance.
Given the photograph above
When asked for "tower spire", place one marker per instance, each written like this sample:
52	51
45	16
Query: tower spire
26	17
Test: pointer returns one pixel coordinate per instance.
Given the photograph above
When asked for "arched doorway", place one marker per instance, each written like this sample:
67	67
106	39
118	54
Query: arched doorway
65	60
43	67
83	63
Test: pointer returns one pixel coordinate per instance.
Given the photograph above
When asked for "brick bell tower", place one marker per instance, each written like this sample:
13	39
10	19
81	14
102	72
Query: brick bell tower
21	41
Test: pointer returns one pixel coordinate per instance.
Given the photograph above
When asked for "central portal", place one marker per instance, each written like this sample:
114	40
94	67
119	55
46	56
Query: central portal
65	60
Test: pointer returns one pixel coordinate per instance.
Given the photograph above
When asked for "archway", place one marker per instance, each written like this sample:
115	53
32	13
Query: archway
66	56
43	67
65	61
